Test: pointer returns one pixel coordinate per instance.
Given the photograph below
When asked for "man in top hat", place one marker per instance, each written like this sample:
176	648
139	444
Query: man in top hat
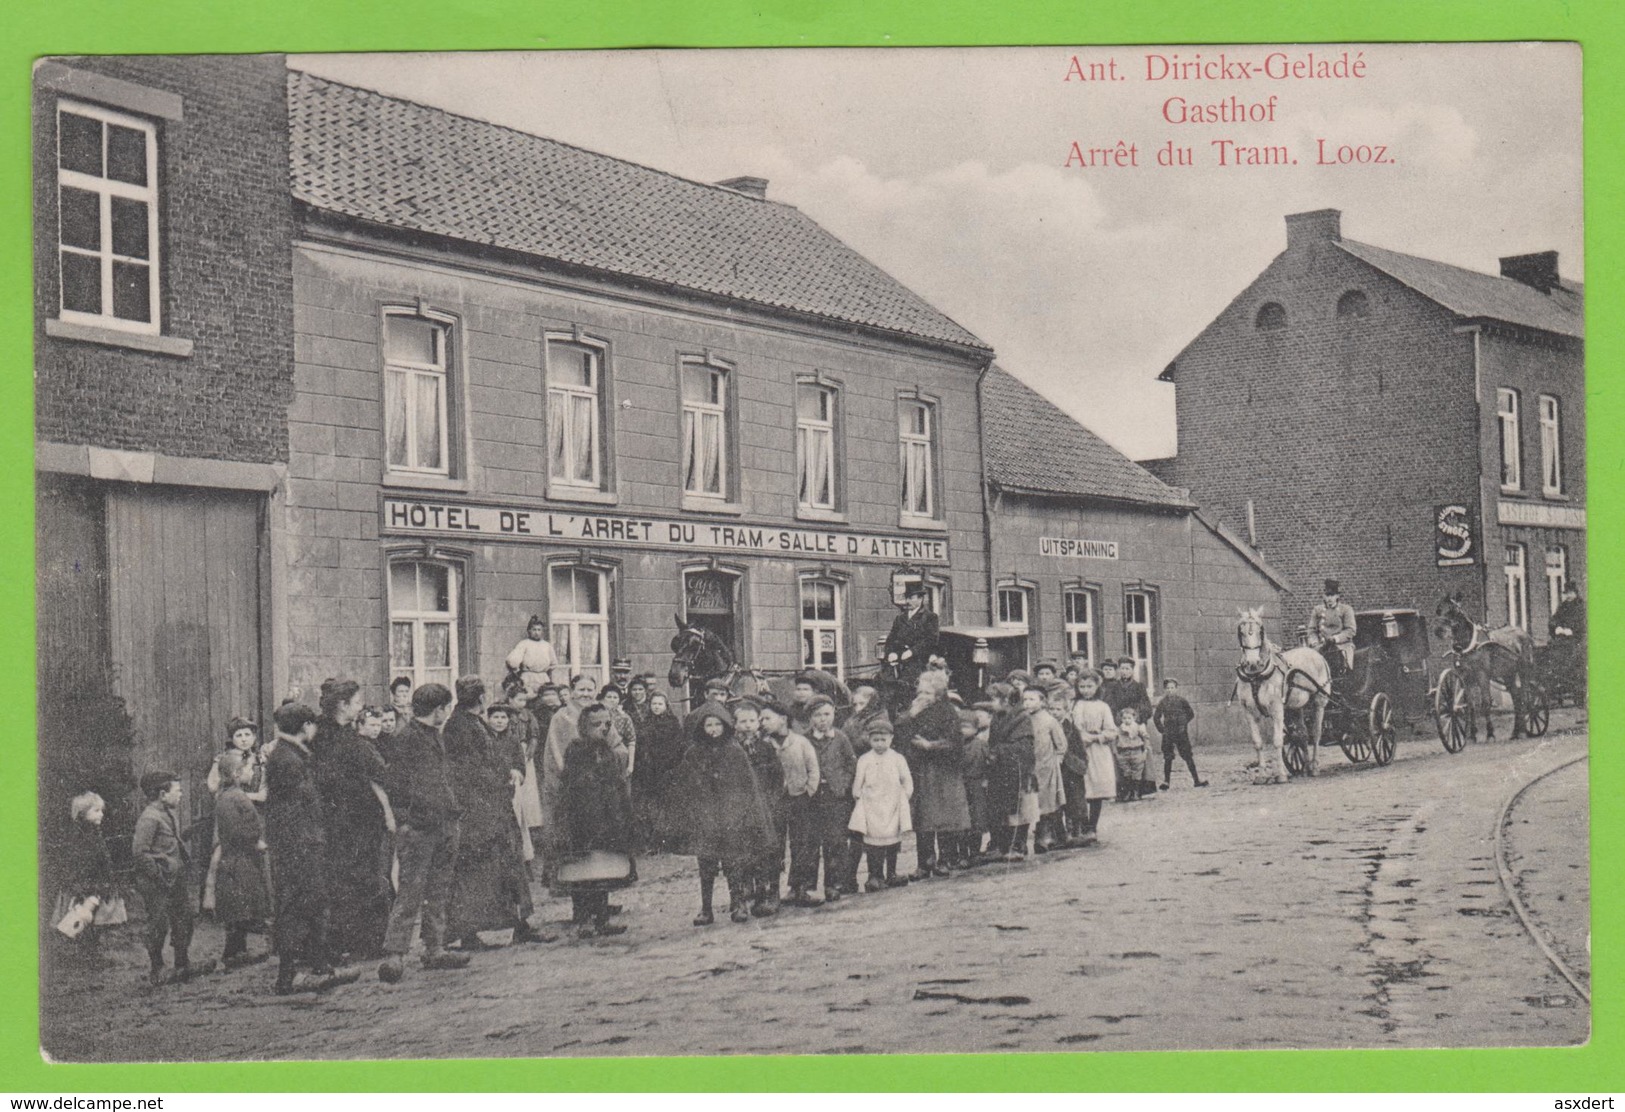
1331	629
913	637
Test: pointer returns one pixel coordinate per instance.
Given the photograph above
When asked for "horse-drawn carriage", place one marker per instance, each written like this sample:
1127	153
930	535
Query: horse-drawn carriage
1387	685
1476	659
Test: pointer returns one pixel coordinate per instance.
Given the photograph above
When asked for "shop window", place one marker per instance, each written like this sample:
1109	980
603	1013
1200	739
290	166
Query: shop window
417	393
107	195
706	429
816	477
1139	634
1551	447
1557	576
575	413
423	621
1506	416
1014	614
823	608
917	438
1271	317
578	604
1517	587
1078	625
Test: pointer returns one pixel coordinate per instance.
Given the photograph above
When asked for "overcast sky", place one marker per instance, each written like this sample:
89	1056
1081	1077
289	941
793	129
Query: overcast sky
948	169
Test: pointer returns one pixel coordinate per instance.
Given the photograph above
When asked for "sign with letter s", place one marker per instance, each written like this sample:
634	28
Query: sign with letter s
1455	535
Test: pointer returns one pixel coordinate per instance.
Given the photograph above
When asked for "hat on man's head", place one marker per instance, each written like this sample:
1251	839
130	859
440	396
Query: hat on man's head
915	590
1332	588
1122	660
819	701
622	664
880	725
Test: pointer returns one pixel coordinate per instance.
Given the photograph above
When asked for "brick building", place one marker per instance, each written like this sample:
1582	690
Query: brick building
163	370
533	379
1407	426
1092	554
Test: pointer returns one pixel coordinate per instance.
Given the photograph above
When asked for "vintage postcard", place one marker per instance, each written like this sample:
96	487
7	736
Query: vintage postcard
818	551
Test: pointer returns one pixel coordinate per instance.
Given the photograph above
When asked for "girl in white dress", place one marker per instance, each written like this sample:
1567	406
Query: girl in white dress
882	786
1093	718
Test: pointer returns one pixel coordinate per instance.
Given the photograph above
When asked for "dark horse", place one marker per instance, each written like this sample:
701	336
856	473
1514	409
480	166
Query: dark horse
1505	656
698	655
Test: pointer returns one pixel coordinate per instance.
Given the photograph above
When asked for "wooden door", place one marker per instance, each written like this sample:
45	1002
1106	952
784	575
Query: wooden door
184	602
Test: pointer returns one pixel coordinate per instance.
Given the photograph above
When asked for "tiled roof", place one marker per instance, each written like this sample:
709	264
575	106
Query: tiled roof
365	155
1472	293
1030	446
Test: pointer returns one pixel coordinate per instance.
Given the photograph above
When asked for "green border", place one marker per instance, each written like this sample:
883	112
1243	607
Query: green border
293	26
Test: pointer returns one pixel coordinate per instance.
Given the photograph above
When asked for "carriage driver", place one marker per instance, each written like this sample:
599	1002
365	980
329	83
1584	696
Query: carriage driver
913	636
1331	630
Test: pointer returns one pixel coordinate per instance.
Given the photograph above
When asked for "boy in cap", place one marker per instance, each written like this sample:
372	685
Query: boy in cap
830	807
1173	718
161	857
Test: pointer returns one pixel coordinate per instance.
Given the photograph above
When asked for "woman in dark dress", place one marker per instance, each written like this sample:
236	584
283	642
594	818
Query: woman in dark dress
241	898
1011	772
492	890
347	766
660	751
594	813
928	737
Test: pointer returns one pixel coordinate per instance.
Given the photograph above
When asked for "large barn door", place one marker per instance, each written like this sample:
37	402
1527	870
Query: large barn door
184	602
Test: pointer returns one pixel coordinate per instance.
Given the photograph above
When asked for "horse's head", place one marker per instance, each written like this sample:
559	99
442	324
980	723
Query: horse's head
1454	622
696	654
686	648
1250	636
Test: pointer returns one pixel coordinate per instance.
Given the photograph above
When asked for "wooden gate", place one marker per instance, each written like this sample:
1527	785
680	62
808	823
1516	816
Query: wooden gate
184	575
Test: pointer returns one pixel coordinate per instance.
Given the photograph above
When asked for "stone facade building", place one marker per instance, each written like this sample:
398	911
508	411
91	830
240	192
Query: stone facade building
163	373
1409	427
533	379
1093	555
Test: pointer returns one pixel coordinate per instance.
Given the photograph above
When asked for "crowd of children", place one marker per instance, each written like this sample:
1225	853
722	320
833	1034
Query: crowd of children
356	827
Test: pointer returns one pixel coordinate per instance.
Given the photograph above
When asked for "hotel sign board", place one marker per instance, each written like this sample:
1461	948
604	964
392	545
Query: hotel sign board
1540	515
480	521
1068	548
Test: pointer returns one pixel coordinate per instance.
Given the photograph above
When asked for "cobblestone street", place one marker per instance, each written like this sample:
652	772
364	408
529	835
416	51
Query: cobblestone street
1360	909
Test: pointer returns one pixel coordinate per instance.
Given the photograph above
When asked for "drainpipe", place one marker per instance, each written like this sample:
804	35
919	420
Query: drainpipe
1484	503
987	501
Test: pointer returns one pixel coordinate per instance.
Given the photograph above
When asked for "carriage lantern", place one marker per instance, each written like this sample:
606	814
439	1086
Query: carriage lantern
1390	626
979	657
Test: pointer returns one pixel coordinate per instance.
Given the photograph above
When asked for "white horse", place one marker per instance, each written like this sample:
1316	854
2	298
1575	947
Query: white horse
1270	681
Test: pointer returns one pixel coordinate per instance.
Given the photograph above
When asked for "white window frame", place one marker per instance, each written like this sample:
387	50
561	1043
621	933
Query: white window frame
1002	618
1073	630
1557	576
1517	585
813	628
909	443
1506	415
105	190
420	619
816	434
571	622
561	399
1551	446
1139	635
399	371
694	415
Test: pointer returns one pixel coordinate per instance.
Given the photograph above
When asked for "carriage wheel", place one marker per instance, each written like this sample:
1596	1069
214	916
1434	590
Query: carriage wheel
1356	747
1451	712
1295	751
1537	713
1380	722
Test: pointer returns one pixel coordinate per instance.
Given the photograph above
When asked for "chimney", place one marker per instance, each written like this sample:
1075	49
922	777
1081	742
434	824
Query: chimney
1538	270
1320	226
750	187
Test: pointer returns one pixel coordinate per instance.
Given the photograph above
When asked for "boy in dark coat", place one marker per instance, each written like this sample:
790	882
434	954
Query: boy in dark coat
1173	718
831	809
1011	777
161	858
418	780
769	770
721	816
